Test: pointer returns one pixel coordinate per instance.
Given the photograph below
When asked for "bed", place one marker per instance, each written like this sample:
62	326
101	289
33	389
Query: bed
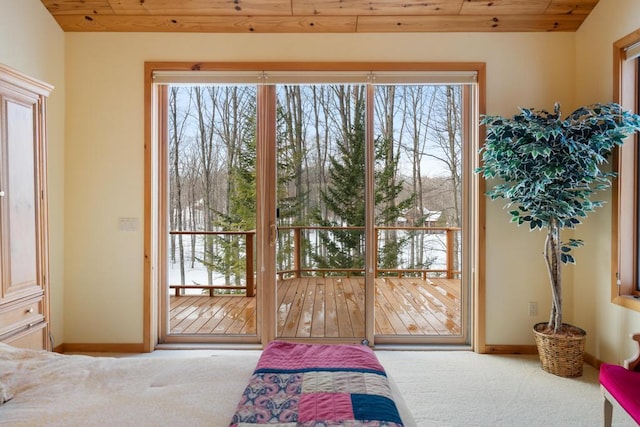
204	389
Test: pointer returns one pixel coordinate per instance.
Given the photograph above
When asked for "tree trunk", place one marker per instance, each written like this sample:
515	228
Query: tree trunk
552	253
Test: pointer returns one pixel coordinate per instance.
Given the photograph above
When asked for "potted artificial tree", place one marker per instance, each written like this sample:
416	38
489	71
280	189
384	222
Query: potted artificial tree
548	169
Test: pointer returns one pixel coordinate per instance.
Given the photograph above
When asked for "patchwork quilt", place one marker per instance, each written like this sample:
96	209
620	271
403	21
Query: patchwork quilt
308	385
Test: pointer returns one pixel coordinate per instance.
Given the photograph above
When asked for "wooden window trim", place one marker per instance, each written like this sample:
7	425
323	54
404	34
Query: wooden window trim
625	188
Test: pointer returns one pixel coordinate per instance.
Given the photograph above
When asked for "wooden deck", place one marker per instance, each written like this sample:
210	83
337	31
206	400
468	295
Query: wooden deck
331	307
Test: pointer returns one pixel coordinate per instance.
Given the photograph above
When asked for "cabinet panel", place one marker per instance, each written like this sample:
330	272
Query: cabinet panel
20	198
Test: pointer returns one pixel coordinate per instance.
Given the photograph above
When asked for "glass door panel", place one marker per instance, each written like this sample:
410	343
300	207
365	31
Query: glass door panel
418	211
321	211
211	215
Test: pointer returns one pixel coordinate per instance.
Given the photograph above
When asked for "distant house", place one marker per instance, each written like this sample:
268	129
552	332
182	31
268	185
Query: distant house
415	218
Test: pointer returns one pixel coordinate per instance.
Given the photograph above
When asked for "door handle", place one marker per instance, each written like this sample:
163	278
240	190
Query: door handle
273	233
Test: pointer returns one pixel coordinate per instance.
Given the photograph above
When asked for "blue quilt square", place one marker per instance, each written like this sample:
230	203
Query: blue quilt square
369	407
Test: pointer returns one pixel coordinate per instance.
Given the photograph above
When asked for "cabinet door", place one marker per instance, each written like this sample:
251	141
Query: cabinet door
19	201
24	300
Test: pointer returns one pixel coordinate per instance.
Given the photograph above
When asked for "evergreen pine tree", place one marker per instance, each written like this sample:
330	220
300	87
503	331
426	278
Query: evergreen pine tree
230	253
345	200
388	209
230	250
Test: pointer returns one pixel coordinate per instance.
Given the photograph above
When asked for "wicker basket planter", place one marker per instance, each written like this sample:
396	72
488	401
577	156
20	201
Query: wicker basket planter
561	355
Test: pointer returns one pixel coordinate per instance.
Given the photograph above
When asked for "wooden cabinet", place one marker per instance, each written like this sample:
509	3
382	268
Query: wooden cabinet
24	261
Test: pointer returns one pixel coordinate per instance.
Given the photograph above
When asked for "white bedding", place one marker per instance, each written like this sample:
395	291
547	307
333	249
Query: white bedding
51	389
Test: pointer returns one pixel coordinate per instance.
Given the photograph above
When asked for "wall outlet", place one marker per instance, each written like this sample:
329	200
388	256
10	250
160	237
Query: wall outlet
533	308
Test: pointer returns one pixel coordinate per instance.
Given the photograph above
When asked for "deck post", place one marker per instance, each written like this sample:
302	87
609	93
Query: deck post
450	258
296	252
375	251
249	264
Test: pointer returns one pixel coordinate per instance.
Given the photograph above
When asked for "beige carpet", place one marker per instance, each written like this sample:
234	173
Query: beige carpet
468	389
460	388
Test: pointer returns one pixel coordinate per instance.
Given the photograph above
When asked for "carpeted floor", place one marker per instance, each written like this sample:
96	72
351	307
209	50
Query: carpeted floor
461	388
467	389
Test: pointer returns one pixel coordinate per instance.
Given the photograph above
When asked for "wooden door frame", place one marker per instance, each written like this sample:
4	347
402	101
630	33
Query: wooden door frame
266	211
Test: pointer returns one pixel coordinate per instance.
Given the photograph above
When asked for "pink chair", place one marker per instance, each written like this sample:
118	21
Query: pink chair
621	387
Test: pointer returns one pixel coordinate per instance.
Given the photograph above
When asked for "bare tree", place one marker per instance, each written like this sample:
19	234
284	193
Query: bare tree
191	174
446	134
294	133
385	102
178	119
205	119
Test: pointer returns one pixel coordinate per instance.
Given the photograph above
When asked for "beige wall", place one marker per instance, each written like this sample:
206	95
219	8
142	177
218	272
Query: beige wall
32	42
103	298
609	325
96	174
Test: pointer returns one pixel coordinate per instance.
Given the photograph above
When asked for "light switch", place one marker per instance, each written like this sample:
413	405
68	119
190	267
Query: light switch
127	224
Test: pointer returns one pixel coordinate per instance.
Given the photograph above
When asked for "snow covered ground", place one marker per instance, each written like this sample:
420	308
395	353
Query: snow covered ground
197	274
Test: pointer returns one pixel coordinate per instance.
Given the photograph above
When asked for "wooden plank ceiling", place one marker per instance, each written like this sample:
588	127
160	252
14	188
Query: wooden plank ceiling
319	16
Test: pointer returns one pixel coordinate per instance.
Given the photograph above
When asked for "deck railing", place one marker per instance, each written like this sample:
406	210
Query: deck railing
293	265
249	276
298	269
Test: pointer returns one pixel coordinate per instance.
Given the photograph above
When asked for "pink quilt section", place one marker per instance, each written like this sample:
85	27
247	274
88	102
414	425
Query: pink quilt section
306	385
285	355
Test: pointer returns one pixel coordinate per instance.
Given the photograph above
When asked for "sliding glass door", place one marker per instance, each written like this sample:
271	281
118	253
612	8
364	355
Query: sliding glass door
318	206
